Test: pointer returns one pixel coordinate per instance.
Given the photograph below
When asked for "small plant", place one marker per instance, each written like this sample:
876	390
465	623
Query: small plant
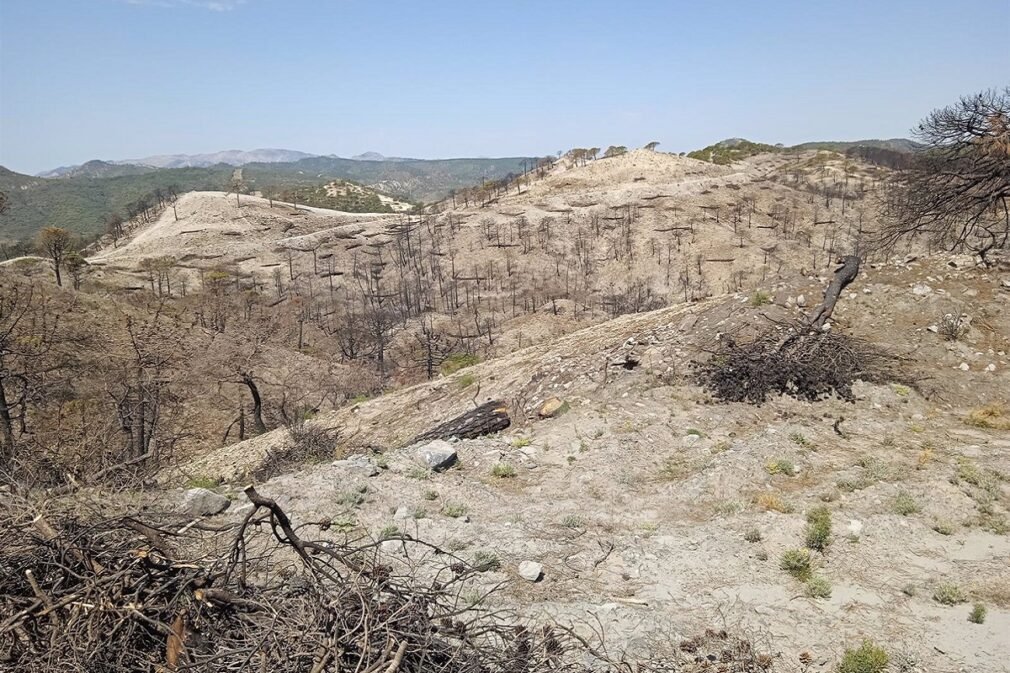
203	482
867	658
978	614
949	594
419	473
944	527
900	390
761	555
953	326
908	590
465	381
904	504
924	459
381	462
457	361
796	562
503	471
573	521
454	510
430	494
352	498
485	561
674	469
420	513
753	535
772	502
800	439
818	587
389	531
818	534
780	466
991	416
760	298
521	442
695	431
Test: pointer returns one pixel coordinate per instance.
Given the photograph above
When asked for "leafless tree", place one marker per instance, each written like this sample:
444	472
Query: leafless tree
955	192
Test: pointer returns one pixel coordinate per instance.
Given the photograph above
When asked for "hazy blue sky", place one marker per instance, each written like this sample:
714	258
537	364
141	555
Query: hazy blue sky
115	79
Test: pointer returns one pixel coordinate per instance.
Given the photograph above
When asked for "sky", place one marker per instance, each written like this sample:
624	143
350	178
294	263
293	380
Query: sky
121	79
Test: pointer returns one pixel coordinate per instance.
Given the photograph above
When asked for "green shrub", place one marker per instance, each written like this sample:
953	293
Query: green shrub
454	509
818	534
818	587
503	471
760	298
389	531
485	561
949	594
753	535
904	504
867	658
430	494
780	466
457	361
978	614
797	563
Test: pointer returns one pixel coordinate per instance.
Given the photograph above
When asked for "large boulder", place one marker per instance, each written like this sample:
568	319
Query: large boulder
198	502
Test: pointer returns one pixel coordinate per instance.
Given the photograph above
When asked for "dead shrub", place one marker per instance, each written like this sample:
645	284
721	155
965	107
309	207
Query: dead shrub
791	359
307	442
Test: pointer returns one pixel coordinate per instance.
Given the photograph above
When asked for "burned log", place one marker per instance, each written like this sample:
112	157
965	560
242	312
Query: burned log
486	419
844	274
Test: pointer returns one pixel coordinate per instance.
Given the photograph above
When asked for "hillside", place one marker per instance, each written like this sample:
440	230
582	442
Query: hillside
85	197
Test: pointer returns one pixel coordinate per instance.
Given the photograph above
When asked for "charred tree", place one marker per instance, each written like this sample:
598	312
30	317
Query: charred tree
844	275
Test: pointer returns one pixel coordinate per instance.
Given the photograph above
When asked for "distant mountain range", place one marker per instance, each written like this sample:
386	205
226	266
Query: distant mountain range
98	168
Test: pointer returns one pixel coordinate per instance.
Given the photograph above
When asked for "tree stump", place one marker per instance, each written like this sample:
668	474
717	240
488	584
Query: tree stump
486	419
844	274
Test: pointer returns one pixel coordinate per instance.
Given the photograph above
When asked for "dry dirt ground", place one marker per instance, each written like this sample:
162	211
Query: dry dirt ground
657	514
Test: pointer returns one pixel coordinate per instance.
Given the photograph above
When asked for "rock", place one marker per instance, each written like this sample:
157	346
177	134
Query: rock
437	455
552	406
393	547
201	502
687	323
360	464
403	512
690	440
921	290
990	367
801	300
855	528
531	571
964	366
1005	282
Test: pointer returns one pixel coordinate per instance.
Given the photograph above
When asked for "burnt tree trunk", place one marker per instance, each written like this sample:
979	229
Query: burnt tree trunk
844	274
257	410
486	419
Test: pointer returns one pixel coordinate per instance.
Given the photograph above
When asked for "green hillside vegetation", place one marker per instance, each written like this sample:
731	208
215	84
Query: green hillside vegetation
344	196
81	203
726	152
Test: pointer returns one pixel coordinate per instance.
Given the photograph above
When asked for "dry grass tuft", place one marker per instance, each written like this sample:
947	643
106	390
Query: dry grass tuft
992	417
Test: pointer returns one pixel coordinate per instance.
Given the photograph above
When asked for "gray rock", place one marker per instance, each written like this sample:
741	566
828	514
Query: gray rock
360	464
531	571
201	502
921	290
403	512
801	300
437	455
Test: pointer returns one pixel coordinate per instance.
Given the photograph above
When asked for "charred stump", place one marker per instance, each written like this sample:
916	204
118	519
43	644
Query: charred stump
486	419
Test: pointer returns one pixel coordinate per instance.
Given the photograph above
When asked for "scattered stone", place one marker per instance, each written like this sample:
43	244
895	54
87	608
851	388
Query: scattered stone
437	455
690	440
855	527
531	571
921	290
964	366
403	512
801	300
933	328
360	464
202	502
990	367
243	510
552	407
392	547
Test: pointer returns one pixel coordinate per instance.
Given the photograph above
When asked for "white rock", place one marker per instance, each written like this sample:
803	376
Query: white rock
202	502
690	440
990	367
801	300
921	290
361	464
964	366
531	571
855	527
403	512
438	454
933	328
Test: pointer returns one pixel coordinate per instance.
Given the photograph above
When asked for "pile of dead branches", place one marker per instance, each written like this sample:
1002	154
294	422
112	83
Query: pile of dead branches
794	359
120	594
